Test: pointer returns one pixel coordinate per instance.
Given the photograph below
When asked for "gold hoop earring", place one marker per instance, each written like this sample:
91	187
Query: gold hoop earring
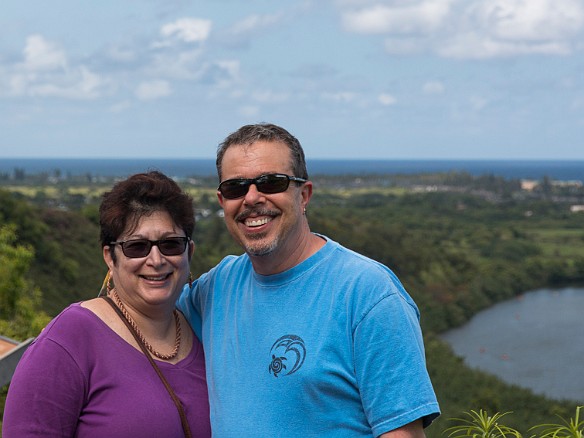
106	285
190	280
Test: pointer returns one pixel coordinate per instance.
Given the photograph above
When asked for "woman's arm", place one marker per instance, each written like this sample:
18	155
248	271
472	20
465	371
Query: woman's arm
46	394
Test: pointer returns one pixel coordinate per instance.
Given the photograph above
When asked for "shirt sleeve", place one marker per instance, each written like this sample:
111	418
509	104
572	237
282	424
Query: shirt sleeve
391	368
188	304
46	394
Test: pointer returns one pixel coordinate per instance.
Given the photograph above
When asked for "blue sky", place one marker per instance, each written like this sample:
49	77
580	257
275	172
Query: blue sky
392	79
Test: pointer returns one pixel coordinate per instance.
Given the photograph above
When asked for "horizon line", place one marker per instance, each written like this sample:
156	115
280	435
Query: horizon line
555	159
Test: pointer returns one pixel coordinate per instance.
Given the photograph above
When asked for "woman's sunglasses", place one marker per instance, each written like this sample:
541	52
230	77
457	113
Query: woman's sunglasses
137	248
270	183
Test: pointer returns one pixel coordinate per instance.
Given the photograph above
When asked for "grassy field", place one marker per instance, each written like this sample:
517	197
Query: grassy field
559	242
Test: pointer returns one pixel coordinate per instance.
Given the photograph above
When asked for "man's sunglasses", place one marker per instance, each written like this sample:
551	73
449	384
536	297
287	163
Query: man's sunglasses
270	183
137	248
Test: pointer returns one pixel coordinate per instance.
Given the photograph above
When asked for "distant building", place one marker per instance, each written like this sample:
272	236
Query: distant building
570	183
577	208
529	184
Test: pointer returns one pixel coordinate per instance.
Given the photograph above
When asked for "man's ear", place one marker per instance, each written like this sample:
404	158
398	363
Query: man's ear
306	193
220	198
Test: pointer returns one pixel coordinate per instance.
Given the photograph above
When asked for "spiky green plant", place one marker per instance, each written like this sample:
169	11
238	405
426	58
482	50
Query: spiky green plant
481	425
572	428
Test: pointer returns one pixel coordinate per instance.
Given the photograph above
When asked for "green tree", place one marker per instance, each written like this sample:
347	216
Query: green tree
20	300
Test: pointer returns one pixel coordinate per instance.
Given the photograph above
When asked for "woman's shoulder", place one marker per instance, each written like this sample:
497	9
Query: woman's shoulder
102	310
73	321
73	312
67	335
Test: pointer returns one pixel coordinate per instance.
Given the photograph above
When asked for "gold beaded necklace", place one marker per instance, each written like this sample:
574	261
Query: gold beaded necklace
151	349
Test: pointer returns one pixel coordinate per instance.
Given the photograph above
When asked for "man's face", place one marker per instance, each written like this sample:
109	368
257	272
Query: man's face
264	224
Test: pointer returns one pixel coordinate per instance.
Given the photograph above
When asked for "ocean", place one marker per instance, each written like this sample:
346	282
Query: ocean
561	170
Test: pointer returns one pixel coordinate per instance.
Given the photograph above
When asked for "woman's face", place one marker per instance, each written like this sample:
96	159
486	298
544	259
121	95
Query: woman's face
153	281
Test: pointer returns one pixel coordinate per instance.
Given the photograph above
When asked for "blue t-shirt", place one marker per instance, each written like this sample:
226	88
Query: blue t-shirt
329	348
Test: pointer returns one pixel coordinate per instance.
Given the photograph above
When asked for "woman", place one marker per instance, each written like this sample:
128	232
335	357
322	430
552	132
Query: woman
86	375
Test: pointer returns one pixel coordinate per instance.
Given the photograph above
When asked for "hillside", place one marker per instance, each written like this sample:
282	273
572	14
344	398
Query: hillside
458	243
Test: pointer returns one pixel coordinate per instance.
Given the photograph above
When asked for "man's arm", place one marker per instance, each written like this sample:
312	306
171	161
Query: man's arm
186	304
411	430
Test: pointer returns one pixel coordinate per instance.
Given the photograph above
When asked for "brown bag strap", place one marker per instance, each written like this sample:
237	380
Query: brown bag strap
179	407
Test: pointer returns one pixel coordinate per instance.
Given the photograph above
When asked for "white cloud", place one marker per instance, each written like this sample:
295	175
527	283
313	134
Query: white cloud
470	28
120	54
341	96
155	89
120	106
222	73
46	72
424	16
249	111
182	65
577	104
267	96
531	20
355	2
478	103
386	99
188	30
433	87
476	46
254	22
404	45
40	54
241	32
81	84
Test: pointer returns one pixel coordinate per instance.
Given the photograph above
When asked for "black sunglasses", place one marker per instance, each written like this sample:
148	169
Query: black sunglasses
270	183
137	248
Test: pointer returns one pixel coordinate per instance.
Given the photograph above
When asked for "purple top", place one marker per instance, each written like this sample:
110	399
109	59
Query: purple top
80	379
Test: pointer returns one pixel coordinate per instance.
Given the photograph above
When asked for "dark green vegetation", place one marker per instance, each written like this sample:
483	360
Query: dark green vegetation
458	243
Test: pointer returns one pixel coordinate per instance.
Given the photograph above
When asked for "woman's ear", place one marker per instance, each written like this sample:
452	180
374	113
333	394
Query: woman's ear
108	257
191	249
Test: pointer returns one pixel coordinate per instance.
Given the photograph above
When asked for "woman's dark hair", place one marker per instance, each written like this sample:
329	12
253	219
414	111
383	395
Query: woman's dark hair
141	195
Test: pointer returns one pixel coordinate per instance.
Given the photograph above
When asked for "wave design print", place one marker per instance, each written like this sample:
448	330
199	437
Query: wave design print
285	351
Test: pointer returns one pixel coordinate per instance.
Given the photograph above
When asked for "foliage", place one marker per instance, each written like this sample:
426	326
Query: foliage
481	425
572	428
14	262
67	258
457	252
20	300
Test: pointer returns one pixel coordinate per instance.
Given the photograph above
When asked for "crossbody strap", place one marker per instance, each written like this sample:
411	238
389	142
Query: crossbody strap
178	404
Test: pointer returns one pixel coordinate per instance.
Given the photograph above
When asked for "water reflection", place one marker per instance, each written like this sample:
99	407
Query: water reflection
535	341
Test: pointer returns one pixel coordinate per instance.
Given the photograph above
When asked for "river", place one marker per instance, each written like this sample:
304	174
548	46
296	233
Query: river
535	341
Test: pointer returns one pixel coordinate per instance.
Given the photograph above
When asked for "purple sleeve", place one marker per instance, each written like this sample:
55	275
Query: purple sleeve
43	403
79	378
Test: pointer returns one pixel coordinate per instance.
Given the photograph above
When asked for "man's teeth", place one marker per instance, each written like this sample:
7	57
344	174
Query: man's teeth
257	222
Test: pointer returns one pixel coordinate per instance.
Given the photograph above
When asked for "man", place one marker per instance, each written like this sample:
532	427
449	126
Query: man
302	337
